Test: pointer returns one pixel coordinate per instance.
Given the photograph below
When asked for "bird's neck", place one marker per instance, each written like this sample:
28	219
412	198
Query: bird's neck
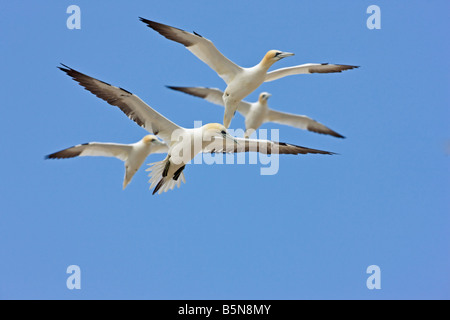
263	105
266	63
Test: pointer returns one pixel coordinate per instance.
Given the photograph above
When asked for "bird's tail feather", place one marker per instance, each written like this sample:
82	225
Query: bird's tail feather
230	111
160	183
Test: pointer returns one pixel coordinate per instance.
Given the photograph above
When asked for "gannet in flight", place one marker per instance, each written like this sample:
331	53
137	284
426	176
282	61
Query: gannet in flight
258	112
132	154
240	81
184	144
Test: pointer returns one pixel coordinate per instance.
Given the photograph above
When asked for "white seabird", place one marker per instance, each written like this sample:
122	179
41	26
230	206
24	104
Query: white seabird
133	155
184	143
258	112
240	81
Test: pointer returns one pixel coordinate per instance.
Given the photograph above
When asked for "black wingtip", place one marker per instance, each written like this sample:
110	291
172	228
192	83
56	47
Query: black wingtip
350	67
65	68
51	156
146	21
333	134
175	88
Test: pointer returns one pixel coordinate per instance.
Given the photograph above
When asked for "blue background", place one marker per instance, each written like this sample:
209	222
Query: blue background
308	232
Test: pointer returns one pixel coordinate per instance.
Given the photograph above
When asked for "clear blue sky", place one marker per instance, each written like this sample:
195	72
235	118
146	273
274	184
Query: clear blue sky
308	232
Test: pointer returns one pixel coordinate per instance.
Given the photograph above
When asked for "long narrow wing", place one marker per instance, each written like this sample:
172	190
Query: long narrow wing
201	47
212	95
94	149
254	145
305	69
130	104
301	122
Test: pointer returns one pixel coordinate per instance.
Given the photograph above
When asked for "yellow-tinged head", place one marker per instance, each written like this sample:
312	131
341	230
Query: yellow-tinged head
264	96
149	139
273	56
211	130
215	128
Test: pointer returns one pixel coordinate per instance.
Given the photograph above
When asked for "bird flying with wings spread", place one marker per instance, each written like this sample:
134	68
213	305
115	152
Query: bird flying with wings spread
257	113
133	155
183	143
240	81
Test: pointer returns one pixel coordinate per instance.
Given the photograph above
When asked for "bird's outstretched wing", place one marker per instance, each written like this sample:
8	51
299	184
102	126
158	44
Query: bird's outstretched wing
201	47
300	121
94	149
219	145
130	104
305	69
212	95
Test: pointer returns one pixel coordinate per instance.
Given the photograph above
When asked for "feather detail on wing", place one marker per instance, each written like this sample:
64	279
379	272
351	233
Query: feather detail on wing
201	47
262	146
94	149
130	104
307	68
301	122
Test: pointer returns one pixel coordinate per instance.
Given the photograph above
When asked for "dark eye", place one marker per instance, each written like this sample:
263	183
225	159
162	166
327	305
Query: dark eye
278	53
223	132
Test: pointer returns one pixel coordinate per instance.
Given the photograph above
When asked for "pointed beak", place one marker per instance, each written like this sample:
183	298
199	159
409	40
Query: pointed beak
230	138
285	54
